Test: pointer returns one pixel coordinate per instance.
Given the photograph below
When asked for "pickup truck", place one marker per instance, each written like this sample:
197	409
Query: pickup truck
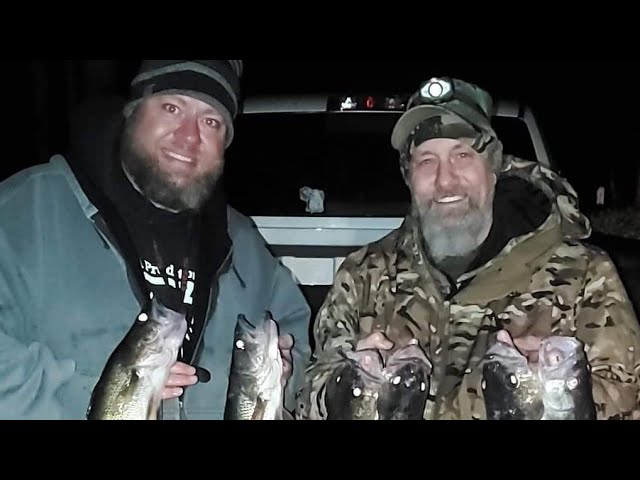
339	147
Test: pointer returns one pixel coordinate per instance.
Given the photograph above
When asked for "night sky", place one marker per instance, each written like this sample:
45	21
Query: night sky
586	108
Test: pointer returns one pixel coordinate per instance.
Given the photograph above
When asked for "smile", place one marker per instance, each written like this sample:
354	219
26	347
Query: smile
178	157
457	198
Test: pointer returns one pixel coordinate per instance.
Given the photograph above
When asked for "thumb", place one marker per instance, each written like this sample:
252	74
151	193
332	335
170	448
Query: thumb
285	342
380	341
504	337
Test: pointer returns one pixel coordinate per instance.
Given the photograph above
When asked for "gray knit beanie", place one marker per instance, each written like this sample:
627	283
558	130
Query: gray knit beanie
216	82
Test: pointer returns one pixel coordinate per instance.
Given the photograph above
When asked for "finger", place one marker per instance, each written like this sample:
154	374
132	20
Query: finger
504	337
285	342
287	359
183	369
182	380
286	367
170	393
529	343
286	355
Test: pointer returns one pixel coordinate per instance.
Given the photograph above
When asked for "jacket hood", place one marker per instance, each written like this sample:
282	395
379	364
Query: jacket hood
565	206
95	129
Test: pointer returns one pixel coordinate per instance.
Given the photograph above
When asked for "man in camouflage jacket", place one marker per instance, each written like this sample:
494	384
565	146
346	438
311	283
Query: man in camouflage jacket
491	243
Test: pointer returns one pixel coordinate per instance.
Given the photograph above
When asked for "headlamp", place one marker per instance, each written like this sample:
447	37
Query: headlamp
437	90
440	90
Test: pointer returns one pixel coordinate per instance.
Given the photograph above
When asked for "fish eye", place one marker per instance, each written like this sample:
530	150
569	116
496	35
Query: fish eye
514	381
240	345
572	383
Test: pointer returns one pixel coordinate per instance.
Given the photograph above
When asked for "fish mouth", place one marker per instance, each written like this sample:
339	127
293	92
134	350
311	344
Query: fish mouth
509	358
559	357
269	330
245	325
410	352
369	365
505	353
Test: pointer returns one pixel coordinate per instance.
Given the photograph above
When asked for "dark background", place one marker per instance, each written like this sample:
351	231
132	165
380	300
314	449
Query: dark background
587	109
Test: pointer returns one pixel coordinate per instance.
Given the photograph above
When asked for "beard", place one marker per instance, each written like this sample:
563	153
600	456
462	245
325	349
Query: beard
456	234
158	186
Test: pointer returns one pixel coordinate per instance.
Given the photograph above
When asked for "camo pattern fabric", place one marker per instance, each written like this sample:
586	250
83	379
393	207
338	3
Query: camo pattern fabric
548	282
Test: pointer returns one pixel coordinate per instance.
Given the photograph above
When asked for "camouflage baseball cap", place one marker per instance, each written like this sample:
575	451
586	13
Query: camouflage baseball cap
444	108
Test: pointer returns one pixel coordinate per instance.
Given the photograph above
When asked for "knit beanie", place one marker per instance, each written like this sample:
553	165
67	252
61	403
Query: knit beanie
216	82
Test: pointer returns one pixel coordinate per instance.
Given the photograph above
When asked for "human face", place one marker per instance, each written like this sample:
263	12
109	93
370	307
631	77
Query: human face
173	150
452	187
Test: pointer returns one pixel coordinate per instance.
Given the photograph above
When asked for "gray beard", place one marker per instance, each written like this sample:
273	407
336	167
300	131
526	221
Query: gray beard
158	188
458	239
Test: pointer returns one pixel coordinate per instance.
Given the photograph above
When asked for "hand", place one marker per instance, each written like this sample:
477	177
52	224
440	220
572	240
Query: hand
285	344
529	346
375	341
181	376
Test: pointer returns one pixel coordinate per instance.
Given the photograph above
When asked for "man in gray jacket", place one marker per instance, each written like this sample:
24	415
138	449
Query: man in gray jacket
85	241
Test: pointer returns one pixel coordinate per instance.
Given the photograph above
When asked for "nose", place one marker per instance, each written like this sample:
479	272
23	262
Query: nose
446	176
188	131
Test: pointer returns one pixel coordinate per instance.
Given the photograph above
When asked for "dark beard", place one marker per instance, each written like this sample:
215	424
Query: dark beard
157	187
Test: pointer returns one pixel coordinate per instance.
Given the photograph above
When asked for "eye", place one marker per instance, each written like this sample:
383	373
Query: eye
424	160
170	108
513	380
213	122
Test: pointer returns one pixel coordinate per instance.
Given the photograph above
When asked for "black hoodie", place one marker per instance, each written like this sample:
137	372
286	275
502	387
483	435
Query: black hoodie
519	207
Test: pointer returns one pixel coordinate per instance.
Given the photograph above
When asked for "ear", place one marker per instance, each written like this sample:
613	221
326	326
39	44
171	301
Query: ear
493	180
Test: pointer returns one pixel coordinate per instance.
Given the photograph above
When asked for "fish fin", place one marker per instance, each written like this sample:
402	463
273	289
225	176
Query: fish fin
153	410
282	414
258	413
152	413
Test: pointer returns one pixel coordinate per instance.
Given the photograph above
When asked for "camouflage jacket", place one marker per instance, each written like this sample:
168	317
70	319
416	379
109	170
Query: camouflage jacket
547	282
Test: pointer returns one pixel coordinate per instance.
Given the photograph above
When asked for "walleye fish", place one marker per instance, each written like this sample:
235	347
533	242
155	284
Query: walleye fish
352	392
403	395
255	382
565	380
132	382
511	389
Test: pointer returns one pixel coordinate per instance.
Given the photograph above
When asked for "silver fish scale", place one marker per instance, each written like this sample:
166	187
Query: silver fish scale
246	407
125	402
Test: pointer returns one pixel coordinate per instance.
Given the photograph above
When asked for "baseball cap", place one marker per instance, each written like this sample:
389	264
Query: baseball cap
444	108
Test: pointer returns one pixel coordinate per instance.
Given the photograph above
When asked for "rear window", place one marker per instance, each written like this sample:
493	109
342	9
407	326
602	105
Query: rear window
346	155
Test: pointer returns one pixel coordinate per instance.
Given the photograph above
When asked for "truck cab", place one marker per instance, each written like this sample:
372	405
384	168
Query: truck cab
318	176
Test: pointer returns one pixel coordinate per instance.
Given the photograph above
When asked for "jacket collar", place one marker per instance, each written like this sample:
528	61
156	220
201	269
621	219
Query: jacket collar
234	224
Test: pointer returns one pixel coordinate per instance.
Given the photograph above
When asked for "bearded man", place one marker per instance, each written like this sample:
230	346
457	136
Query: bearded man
492	252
